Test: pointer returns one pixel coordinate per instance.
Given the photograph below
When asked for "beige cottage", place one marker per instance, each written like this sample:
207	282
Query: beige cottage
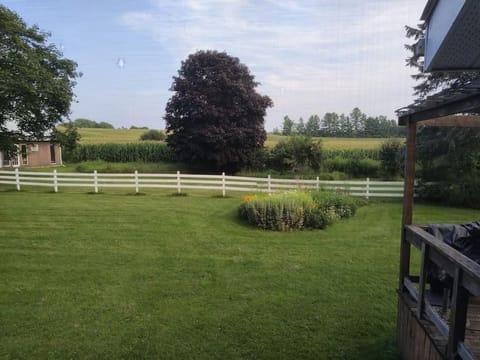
32	154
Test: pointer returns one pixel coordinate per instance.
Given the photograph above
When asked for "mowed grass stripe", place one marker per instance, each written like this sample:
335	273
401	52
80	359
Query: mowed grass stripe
115	276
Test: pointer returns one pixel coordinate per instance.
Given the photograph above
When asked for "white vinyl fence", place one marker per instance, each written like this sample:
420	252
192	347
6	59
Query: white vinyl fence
181	182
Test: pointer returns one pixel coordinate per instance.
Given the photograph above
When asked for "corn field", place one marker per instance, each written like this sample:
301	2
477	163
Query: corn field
143	152
351	154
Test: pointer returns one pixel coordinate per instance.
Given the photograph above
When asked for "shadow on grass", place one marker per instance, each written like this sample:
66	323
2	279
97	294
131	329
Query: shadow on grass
10	190
222	197
178	194
384	348
137	194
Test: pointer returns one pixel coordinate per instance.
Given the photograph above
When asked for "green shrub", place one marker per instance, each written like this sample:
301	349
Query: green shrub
152	135
465	193
362	167
337	163
296	154
390	155
344	205
295	210
281	212
320	217
260	160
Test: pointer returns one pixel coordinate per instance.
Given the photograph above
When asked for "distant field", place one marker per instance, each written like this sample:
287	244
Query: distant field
336	143
98	136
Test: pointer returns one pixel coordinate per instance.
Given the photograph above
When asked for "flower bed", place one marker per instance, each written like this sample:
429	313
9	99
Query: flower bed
296	210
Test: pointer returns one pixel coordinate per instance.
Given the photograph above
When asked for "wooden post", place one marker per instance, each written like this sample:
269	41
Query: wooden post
95	181
318	183
55	181
179	183
17	179
423	279
407	201
269	184
223	185
136	182
458	316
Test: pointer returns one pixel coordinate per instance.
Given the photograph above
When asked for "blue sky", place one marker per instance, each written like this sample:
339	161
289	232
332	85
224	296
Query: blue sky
311	57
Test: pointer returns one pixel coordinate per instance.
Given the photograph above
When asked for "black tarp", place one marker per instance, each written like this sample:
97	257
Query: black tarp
465	238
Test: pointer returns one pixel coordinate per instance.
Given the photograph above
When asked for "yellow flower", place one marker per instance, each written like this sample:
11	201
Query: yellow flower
248	198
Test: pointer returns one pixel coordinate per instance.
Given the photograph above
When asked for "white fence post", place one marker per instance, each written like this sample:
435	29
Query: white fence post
179	183
95	181
367	190
224	190
17	179
55	181
136	182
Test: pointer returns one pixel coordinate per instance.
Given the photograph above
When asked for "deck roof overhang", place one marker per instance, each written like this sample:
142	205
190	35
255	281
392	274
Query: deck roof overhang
452	101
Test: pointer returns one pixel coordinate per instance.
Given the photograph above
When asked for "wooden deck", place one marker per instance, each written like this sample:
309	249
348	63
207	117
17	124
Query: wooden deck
472	331
425	341
422	337
443	327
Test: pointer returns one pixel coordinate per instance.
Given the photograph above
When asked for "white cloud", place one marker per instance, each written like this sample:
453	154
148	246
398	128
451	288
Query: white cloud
306	54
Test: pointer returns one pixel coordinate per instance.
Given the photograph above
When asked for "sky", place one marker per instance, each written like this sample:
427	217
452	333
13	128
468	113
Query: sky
310	56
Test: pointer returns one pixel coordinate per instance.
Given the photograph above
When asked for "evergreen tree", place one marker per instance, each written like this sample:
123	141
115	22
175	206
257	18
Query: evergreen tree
288	126
312	127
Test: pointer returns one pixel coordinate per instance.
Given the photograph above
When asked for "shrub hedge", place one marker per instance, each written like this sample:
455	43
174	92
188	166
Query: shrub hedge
362	167
295	210
152	135
343	163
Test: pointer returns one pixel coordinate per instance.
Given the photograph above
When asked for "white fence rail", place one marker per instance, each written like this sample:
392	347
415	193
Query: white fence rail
181	182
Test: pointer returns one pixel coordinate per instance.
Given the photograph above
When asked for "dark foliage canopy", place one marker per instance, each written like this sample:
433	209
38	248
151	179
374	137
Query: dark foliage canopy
449	161
36	82
449	158
215	119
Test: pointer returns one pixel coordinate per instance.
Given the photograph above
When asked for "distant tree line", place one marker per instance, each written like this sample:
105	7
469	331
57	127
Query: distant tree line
86	123
356	124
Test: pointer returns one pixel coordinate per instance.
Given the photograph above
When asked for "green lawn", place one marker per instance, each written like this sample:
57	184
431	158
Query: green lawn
117	276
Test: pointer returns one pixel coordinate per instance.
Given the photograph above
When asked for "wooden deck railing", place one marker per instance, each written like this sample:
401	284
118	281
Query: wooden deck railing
466	284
